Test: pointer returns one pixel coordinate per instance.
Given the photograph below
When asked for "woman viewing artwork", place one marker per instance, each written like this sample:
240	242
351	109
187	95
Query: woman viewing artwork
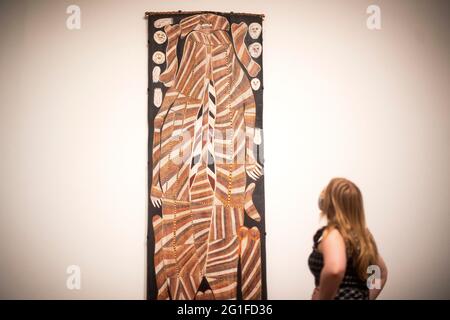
344	250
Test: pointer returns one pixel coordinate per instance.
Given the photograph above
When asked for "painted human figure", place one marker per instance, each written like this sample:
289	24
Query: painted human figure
203	151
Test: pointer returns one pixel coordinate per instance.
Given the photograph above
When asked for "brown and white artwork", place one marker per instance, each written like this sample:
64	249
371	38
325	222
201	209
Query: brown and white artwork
206	233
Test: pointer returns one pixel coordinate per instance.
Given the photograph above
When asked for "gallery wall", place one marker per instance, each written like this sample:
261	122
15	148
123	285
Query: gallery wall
340	99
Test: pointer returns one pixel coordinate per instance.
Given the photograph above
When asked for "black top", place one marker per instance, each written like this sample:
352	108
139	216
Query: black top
351	287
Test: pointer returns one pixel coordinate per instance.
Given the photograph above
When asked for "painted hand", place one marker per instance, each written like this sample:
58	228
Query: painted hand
254	171
156	196
156	202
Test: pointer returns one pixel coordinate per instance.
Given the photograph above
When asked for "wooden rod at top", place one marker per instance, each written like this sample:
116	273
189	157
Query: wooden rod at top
148	13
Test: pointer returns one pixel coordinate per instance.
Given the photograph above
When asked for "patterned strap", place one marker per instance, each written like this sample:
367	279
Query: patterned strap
318	236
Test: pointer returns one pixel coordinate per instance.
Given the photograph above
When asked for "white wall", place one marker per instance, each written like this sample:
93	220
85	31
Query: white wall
340	100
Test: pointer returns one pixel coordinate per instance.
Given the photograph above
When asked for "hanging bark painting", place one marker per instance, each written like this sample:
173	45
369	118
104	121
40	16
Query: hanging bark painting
206	232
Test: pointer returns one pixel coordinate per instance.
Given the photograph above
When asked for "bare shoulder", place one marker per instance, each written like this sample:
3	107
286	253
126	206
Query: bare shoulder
333	248
332	234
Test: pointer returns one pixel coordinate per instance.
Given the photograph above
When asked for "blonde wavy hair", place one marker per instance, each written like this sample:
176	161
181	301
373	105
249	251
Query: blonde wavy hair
341	203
